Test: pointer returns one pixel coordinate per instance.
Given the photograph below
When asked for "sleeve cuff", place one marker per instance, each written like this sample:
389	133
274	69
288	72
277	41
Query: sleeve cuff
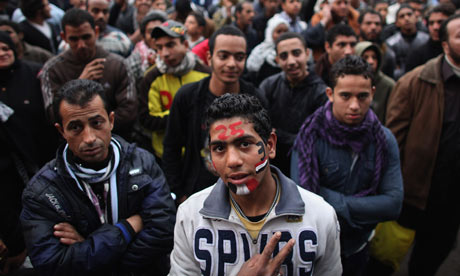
126	229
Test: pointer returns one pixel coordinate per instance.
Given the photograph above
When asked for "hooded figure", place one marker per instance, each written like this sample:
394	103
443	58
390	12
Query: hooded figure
261	61
383	83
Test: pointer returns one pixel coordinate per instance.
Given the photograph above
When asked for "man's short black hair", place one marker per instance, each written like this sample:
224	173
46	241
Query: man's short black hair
443	33
380	2
289	35
155	15
29	8
339	29
403	6
367	11
351	65
76	17
78	92
225	30
199	18
240	105
12	24
445	8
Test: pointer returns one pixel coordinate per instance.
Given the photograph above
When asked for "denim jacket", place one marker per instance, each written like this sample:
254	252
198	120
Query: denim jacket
343	174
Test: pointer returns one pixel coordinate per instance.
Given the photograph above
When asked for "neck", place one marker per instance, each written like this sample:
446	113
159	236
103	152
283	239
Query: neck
455	66
37	20
241	26
194	37
219	88
259	201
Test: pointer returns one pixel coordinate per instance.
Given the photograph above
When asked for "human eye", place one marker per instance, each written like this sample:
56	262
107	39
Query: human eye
86	37
217	148
73	127
345	96
222	55
240	56
283	56
341	44
363	96
296	52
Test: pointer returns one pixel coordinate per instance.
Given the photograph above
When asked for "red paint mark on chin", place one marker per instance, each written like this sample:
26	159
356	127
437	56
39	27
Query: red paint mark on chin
214	165
252	184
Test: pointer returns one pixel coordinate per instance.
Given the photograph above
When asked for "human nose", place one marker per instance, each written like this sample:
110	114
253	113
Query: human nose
233	158
81	43
89	136
231	61
290	60
354	104
349	49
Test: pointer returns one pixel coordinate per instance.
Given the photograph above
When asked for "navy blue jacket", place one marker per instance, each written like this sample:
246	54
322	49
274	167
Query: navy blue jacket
341	177
52	196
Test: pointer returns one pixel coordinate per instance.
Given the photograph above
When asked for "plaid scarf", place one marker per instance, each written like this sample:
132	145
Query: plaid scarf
322	124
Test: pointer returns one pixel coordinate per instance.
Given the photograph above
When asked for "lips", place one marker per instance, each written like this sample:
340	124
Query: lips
92	151
354	116
238	178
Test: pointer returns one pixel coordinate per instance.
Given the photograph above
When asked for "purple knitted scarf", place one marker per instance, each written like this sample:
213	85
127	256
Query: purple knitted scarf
322	124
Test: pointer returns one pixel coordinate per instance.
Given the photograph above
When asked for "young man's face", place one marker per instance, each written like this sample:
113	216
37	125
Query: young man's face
406	21
371	27
292	58
382	8
149	40
99	10
228	58
46	10
351	98
291	7
271	6
82	40
193	29
171	50
246	15
340	8
370	56
159	5
434	24
341	47
239	154
87	129
143	6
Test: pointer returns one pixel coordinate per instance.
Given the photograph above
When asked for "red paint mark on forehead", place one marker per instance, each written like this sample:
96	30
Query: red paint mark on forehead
233	131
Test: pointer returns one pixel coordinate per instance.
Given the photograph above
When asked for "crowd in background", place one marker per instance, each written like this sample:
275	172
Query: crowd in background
161	68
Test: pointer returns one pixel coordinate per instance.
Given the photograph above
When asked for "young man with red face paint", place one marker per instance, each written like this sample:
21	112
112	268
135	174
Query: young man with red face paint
254	220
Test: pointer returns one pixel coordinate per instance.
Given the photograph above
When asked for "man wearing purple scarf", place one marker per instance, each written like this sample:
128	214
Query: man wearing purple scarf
344	154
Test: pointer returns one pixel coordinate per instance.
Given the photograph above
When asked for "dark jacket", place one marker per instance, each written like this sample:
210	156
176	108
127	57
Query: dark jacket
26	144
188	173
341	177
415	115
423	53
53	196
323	68
288	108
37	38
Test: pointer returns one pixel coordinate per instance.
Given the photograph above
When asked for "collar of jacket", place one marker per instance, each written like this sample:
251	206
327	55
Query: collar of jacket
431	72
217	204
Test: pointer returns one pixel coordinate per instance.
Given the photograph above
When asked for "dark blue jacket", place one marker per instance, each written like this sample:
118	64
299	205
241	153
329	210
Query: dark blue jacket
341	177
53	196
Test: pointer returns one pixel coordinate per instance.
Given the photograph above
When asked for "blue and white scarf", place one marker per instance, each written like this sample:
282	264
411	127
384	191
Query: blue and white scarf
84	177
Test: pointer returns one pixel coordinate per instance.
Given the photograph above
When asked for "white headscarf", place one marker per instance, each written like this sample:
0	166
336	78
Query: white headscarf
265	51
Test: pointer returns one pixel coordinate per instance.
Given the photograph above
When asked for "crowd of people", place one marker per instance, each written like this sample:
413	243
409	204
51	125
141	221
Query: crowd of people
231	137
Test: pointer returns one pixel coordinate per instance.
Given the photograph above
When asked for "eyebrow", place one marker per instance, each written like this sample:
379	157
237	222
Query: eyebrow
228	52
237	140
